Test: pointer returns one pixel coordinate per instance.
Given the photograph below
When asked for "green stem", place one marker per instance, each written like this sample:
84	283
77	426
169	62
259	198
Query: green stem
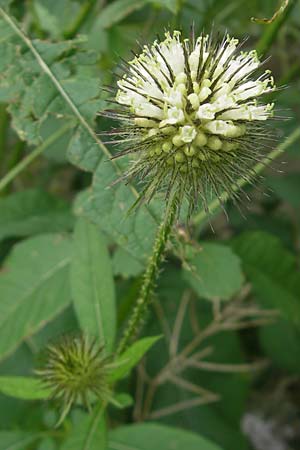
79	20
150	276
15	171
215	204
272	30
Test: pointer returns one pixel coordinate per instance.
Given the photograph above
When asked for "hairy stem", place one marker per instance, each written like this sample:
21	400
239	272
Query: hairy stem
150	276
215	204
15	171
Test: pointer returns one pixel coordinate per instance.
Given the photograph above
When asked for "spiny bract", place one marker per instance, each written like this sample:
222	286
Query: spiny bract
76	370
191	116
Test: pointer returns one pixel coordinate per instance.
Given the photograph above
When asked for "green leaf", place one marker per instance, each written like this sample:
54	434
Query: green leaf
89	433
89	158
25	388
118	10
125	265
17	440
129	359
92	284
107	206
34	288
286	187
55	17
159	437
122	400
31	212
50	80
172	5
272	271
281	343
214	272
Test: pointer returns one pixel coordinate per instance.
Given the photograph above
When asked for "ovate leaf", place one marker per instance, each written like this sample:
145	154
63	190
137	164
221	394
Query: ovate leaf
131	357
272	271
92	283
34	287
159	437
25	388
214	272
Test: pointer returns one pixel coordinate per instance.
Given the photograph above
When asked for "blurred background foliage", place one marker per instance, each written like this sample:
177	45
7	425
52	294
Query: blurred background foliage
246	267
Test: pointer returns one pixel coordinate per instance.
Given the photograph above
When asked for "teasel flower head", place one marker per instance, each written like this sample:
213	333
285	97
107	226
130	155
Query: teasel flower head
76	371
192	117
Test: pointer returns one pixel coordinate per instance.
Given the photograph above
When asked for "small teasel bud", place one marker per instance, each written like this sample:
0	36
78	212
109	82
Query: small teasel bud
76	371
193	116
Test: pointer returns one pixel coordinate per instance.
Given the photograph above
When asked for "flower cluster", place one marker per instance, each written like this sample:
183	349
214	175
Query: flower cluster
191	116
76	371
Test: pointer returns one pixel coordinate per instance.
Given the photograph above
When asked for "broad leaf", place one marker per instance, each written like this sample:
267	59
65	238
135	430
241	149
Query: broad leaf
92	284
89	433
272	271
25	388
214	272
107	206
34	287
159	437
131	357
31	212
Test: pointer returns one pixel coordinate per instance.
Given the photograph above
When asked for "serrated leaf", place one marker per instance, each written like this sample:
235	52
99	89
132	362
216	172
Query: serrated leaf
41	79
214	272
34	287
25	388
31	212
159	437
89	434
107	206
92	284
272	271
129	359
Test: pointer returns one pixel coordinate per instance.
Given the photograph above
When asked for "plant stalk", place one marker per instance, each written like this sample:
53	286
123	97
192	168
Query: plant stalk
150	276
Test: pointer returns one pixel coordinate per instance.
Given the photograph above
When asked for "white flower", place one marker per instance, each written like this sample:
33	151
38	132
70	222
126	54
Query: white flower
193	107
